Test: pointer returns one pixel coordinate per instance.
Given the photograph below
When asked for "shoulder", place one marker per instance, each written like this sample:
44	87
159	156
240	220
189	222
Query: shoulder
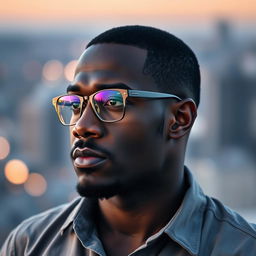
56	215
222	214
31	229
226	230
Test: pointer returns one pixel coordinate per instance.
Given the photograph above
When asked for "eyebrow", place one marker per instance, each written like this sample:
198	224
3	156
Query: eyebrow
76	88
73	88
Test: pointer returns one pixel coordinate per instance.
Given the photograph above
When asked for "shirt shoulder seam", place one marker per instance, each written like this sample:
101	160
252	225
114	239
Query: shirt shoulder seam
239	227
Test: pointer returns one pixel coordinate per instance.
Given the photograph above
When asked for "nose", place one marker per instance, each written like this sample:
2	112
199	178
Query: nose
88	125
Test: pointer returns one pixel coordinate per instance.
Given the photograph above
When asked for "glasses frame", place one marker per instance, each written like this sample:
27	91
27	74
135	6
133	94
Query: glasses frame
125	94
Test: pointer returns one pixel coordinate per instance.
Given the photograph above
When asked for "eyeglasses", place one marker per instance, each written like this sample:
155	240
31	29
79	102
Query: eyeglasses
108	104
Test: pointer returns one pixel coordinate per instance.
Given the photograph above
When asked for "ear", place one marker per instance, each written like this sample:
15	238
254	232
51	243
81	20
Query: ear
183	115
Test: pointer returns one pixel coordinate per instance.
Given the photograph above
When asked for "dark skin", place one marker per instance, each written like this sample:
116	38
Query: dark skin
145	150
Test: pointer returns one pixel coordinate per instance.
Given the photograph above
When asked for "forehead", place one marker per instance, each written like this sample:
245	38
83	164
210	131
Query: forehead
113	63
115	54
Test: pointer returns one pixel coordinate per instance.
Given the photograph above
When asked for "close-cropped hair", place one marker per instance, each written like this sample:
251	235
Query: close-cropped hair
171	63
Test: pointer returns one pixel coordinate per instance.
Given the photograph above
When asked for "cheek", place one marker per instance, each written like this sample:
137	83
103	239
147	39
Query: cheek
140	137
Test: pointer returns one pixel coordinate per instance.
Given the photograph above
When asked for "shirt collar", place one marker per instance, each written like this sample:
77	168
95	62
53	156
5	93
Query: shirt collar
186	225
72	215
82	214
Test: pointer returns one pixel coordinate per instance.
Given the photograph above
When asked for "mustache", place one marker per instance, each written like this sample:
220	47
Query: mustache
89	144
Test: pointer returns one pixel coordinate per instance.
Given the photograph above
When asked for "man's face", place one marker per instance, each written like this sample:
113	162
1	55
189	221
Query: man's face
124	156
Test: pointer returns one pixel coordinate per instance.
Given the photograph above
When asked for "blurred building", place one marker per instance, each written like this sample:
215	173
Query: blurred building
224	137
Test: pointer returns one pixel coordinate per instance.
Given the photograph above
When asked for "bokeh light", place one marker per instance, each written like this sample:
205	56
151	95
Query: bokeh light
35	185
16	171
4	148
52	70
70	70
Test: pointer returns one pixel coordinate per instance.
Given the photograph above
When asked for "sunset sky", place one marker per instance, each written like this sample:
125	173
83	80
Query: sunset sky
60	12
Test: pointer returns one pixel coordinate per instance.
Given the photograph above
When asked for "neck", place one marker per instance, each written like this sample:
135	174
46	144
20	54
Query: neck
141	213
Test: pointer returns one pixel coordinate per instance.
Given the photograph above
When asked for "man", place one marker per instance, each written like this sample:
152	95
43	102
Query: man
130	109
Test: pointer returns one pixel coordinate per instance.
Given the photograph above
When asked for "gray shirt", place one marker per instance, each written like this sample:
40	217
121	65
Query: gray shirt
202	226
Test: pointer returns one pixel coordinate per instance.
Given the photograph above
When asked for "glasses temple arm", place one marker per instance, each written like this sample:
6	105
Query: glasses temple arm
148	94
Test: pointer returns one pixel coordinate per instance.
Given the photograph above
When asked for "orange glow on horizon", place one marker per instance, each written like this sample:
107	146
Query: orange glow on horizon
93	11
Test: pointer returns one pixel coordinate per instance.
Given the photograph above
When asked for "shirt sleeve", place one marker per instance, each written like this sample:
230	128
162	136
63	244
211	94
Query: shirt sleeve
15	243
8	248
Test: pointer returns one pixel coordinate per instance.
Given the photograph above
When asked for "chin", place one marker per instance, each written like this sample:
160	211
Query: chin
98	191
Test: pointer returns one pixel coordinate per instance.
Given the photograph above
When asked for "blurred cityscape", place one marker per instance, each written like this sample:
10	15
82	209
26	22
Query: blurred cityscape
35	169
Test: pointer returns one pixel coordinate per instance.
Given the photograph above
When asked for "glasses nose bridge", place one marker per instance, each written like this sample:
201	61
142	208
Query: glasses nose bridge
86	104
85	100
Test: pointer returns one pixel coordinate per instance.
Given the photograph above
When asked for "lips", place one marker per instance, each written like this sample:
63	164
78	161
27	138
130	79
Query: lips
87	157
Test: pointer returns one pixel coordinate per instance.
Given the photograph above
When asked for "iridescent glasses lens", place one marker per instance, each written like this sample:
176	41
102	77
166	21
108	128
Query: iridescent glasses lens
108	105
